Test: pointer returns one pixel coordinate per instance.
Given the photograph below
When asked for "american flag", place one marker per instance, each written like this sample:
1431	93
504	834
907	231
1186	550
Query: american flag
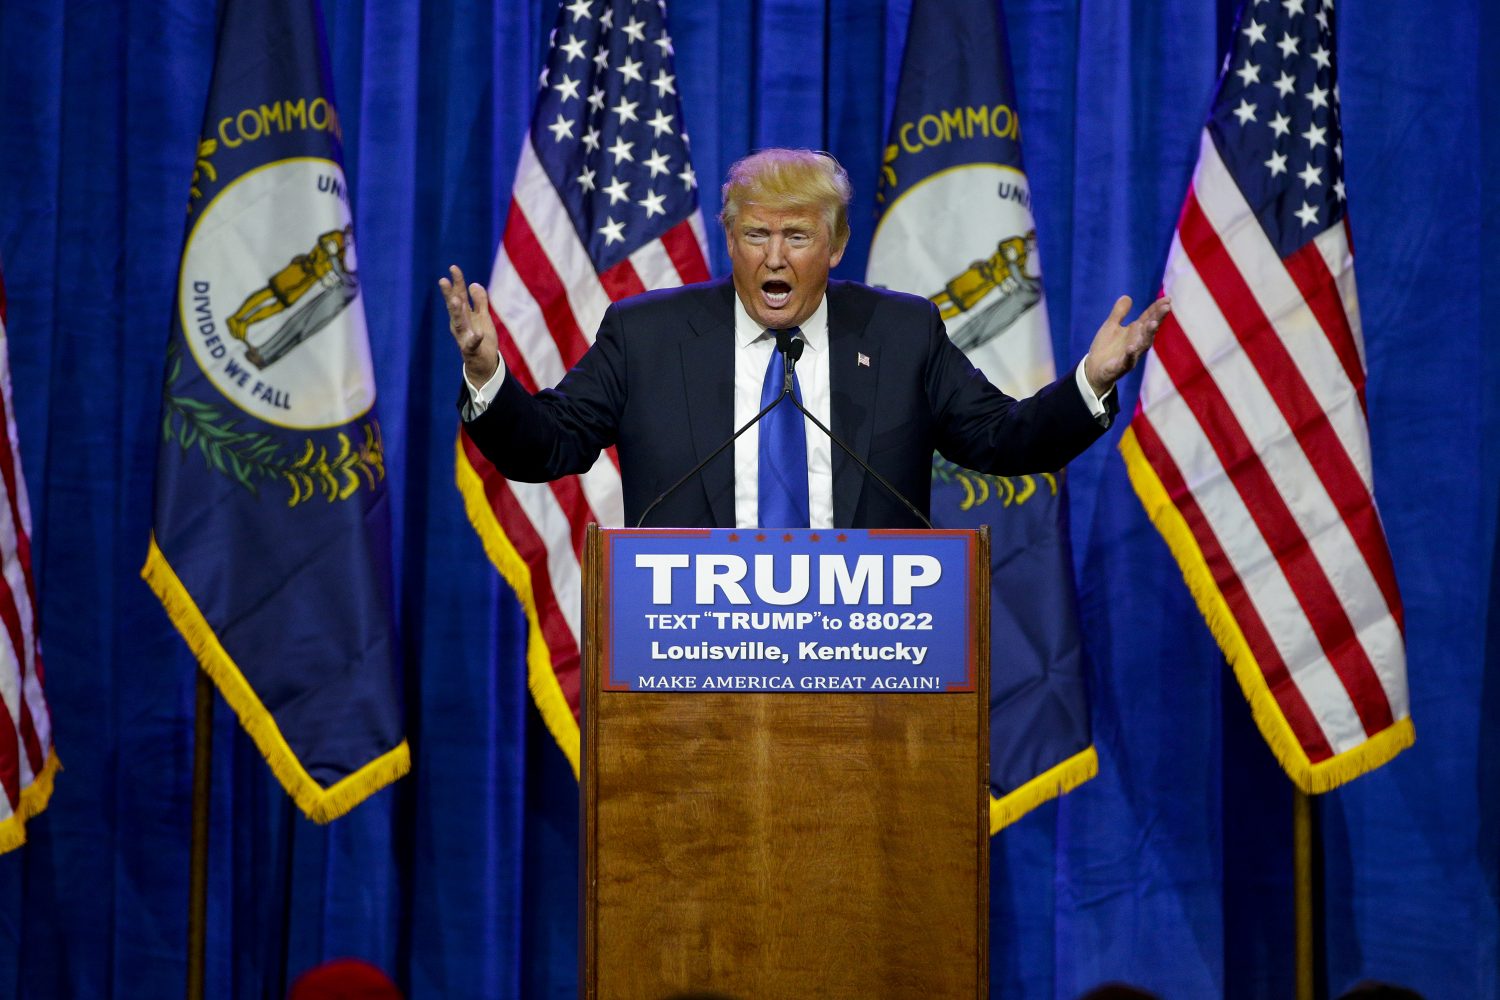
1250	446
605	205
27	761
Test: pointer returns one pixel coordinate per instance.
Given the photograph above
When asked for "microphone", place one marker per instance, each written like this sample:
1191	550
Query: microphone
790	350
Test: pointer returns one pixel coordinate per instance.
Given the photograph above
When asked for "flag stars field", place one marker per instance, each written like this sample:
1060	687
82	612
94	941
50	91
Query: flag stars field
661	123
1289	90
614	232
657	162
589	223
618	190
626	110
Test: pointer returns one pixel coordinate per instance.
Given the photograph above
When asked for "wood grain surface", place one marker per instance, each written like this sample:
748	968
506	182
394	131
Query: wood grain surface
784	845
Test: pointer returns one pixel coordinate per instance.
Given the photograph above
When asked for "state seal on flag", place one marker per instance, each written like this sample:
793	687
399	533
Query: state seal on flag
966	239
269	297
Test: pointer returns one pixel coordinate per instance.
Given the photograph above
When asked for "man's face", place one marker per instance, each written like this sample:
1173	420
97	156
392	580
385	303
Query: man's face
780	259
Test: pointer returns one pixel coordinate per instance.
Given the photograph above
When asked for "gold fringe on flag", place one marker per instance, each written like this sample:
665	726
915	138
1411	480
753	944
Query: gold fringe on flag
1056	780
34	799
541	678
1311	778
322	805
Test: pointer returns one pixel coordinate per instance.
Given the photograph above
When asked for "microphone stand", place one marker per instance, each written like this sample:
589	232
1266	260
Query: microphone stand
791	351
786	390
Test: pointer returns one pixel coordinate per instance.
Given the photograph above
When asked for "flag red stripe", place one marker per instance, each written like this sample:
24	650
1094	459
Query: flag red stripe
10	759
1308	420
515	361
1309	271
560	643
686	255
575	507
34	755
11	616
21	642
1279	682
1299	565
561	646
8	467
535	270
621	281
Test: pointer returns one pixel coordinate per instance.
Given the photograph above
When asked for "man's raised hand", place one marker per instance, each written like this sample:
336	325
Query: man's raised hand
472	328
1117	348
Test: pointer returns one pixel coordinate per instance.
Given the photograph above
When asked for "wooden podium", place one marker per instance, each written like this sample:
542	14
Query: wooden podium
783	844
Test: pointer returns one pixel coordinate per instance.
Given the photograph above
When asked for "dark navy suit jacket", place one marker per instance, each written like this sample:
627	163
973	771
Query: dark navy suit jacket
659	384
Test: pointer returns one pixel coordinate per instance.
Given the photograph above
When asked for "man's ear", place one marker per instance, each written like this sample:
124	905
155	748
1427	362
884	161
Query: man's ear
837	255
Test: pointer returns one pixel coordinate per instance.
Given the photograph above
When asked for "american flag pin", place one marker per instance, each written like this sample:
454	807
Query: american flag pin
863	360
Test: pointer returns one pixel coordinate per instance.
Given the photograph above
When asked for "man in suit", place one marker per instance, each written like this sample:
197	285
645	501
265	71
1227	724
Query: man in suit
672	374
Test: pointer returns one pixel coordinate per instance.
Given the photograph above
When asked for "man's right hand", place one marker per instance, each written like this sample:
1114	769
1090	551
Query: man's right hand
472	327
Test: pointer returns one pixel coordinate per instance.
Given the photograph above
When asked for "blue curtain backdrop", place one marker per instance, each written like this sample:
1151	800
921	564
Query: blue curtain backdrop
1170	870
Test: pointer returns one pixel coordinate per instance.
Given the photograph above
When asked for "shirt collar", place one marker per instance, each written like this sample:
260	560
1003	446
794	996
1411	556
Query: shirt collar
814	328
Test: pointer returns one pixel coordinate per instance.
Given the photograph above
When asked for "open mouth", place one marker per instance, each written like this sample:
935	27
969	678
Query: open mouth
776	293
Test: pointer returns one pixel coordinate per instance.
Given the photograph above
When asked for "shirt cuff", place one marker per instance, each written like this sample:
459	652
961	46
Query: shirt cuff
1095	403
481	398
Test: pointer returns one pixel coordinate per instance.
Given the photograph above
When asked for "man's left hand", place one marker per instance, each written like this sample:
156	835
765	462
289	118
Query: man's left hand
1117	348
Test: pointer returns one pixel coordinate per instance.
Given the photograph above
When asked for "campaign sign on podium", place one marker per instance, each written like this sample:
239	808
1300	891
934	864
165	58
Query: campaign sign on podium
785	770
796	611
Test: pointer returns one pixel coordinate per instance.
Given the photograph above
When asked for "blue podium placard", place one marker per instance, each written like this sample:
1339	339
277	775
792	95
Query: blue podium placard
791	611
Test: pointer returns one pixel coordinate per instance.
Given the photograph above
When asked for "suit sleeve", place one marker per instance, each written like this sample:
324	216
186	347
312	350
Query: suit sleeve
981	428
557	432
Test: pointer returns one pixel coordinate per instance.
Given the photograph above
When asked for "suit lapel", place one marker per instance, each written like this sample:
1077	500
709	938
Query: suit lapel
853	380
708	380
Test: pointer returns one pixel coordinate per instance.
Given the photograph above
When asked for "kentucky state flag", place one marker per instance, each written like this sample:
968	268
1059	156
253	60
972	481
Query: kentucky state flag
271	550
955	225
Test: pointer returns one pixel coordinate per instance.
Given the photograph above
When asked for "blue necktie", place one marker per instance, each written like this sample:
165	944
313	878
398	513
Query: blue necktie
782	476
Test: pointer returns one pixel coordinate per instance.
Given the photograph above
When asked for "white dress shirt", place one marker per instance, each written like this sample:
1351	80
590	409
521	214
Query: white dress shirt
753	346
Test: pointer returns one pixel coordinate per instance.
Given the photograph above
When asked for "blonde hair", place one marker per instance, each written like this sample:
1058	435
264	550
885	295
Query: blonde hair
790	178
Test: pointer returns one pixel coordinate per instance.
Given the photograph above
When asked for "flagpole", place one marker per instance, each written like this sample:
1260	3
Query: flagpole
203	733
1303	877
